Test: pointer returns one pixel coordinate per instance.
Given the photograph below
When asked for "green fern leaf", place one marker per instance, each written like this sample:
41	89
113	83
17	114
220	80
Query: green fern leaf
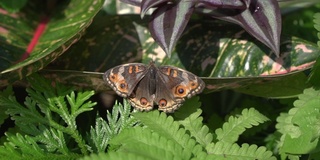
301	125
78	104
317	25
53	139
19	146
168	128
114	156
314	77
222	150
146	143
46	118
98	136
189	115
232	129
118	120
6	93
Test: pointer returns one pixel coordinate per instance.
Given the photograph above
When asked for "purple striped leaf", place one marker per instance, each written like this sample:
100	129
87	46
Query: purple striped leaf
132	2
262	19
239	4
168	22
147	4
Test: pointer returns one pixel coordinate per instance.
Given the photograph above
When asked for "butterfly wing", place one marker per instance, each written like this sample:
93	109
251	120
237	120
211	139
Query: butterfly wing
143	95
123	79
174	85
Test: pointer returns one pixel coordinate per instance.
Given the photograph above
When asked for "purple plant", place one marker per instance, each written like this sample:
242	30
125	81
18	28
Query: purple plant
260	18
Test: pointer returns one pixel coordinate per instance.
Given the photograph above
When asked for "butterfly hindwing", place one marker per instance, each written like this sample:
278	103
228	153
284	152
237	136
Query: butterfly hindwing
145	85
175	85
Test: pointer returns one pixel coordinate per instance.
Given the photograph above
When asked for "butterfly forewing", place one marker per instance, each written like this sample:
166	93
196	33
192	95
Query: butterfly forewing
144	85
124	78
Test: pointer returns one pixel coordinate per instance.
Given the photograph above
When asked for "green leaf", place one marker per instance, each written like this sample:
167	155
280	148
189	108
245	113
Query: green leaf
21	146
14	5
314	77
46	118
256	72
300	126
6	93
53	140
104	131
98	136
222	150
115	156
317	25
165	126
146	143
78	102
236	125
66	25
189	117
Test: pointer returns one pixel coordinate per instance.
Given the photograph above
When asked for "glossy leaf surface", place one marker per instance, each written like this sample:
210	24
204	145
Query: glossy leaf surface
66	25
224	55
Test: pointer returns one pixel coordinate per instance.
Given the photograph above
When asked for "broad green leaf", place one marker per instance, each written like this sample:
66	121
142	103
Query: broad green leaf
203	49
66	25
13	6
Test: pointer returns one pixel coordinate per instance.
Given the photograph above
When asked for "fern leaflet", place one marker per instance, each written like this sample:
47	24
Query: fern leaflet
222	150
166	127
301	125
231	130
46	118
118	120
146	143
191	120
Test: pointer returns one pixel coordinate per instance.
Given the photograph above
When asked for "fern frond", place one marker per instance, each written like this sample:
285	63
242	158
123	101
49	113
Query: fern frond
5	93
20	146
53	139
79	103
314	77
114	156
168	128
317	25
146	143
234	151
232	129
98	136
46	116
189	115
117	120
301	125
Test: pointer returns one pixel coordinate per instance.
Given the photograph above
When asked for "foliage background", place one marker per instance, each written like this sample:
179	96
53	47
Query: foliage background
44	119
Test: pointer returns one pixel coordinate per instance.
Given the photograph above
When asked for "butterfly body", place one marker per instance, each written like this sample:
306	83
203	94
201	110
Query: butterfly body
145	85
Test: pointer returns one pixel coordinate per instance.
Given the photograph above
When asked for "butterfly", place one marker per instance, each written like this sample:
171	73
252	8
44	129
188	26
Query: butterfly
143	85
